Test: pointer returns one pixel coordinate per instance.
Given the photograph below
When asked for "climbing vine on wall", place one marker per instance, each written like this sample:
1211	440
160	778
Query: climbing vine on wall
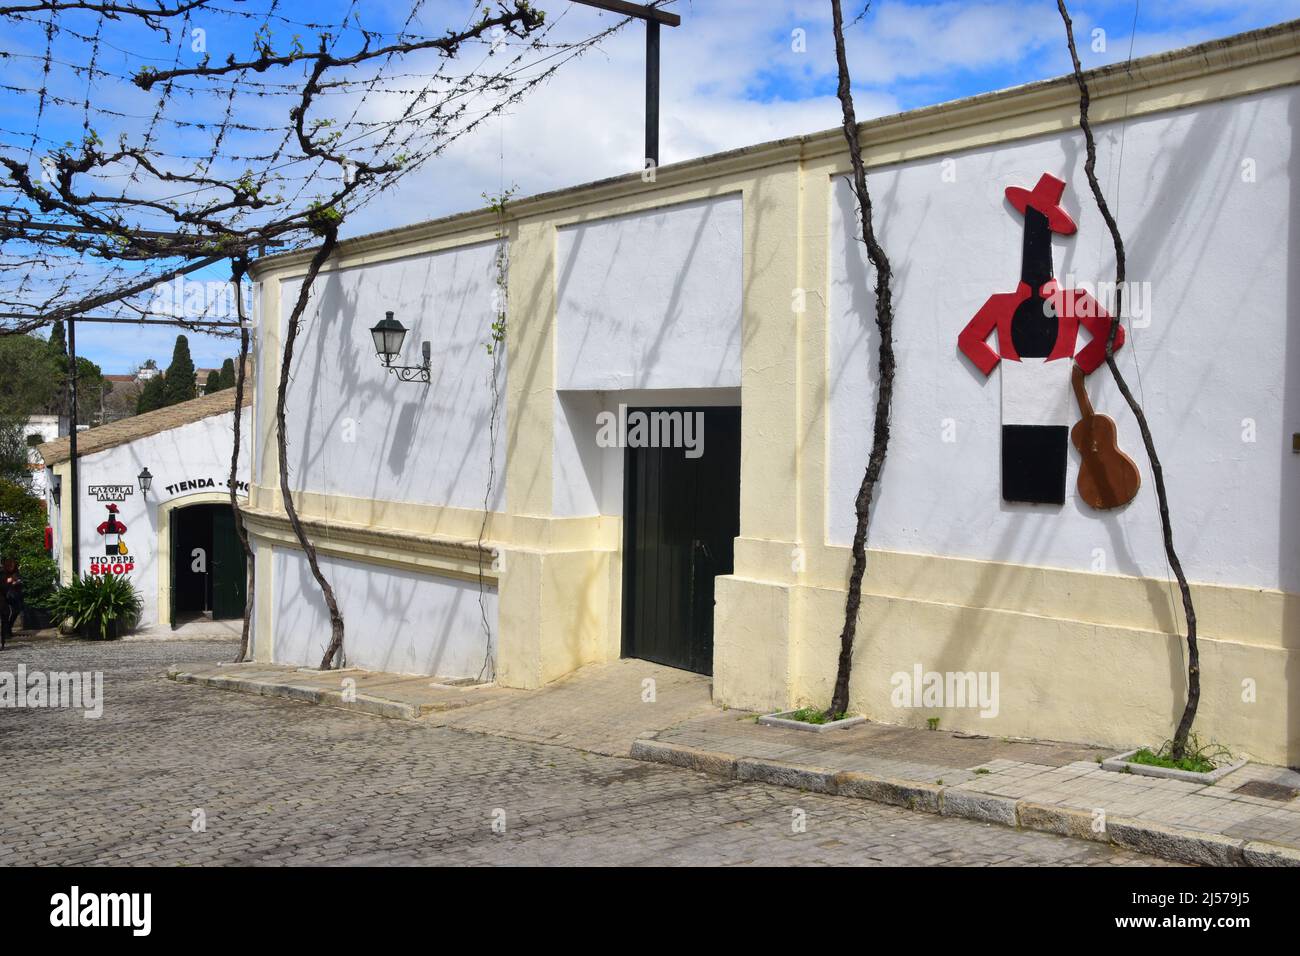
495	346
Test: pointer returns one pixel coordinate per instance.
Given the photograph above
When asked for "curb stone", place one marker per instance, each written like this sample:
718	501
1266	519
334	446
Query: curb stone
815	779
364	703
1260	853
705	761
1063	821
1171	843
925	797
974	805
1175	843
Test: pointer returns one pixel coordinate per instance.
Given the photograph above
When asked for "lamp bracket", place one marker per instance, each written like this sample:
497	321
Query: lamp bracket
414	373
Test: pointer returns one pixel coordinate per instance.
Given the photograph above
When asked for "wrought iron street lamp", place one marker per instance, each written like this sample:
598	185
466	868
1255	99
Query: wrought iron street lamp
146	481
388	335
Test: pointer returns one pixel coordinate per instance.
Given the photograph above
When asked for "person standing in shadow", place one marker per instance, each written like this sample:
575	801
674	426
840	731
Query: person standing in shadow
11	598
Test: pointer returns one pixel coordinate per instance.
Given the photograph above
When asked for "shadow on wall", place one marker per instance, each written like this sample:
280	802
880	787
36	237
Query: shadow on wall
397	620
354	429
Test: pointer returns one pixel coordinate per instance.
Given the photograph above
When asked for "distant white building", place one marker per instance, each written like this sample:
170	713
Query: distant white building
48	427
155	506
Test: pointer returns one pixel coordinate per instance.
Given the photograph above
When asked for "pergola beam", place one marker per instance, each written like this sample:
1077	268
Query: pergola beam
653	18
639	10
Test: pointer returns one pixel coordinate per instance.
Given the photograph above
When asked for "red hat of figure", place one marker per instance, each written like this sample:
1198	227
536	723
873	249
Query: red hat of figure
1046	198
112	509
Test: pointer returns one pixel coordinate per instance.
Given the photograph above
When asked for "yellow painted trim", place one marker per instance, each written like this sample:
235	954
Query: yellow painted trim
441	556
1246	615
1060	678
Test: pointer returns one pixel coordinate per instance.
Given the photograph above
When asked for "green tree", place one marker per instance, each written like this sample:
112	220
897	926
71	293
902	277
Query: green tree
14	458
213	383
22	537
228	373
179	384
90	386
29	378
152	396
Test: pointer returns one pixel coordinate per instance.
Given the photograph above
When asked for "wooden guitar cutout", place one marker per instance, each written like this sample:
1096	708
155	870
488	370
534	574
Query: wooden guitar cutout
1108	478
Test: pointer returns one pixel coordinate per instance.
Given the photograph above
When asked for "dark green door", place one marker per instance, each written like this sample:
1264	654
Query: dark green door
681	516
229	571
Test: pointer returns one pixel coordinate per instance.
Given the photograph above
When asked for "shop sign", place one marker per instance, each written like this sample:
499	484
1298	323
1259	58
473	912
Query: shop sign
202	484
110	492
114	557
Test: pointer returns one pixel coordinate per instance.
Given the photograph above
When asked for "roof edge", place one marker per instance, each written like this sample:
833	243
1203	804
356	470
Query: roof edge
126	430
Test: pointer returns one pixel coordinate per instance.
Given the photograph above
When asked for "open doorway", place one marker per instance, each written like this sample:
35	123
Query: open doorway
681	515
208	572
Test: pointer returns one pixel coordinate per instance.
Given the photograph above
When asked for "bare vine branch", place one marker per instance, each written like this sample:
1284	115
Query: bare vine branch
1184	728
238	269
884	375
334	652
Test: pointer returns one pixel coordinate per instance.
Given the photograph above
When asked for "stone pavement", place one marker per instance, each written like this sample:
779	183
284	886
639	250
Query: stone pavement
276	782
1053	787
664	715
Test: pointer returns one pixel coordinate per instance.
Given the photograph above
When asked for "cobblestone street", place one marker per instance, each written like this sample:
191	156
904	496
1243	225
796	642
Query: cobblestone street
287	783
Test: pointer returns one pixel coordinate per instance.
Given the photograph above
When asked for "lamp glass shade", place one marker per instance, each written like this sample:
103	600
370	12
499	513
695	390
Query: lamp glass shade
146	480
388	336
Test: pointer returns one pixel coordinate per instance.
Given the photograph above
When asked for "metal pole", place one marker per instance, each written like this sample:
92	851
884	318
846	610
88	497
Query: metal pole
74	492
652	91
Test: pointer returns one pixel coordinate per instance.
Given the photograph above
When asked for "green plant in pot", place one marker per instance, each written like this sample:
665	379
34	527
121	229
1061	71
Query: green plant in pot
99	607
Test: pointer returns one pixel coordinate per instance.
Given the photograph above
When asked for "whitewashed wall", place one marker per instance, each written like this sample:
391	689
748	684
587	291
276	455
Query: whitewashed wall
396	620
1217	359
649	314
652	299
357	431
198	452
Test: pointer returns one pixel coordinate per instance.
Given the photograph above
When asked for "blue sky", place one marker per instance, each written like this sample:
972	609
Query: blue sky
733	75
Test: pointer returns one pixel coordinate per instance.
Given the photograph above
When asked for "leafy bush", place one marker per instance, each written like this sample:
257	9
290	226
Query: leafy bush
22	537
98	607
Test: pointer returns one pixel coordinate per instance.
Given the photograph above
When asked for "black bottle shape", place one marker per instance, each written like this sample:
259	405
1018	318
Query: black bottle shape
1034	325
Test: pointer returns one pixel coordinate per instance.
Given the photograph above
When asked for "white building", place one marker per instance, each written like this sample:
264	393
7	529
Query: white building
175	538
48	427
735	286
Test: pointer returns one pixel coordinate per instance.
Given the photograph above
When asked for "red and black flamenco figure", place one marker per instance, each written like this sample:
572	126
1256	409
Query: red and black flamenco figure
1037	328
111	531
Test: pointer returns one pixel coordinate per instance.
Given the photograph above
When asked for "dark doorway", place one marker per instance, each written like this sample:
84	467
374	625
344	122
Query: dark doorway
681	516
208	572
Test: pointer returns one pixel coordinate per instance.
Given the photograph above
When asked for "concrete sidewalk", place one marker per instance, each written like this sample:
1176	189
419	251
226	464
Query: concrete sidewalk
398	696
663	715
1249	817
600	708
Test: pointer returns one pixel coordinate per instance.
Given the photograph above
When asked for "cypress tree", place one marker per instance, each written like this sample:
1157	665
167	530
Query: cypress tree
152	396
58	344
179	383
213	383
57	348
228	373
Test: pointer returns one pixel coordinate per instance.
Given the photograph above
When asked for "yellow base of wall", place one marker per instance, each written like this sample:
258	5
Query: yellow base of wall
777	644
